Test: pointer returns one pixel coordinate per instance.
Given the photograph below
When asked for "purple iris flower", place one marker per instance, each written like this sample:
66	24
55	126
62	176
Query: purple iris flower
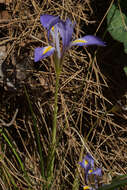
95	173
87	164
62	29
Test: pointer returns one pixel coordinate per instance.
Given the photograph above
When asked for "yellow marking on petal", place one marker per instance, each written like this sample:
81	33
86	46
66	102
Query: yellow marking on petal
86	162
79	41
86	187
47	49
52	28
90	171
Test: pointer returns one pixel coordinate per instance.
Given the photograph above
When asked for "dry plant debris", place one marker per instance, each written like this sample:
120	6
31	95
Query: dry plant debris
82	105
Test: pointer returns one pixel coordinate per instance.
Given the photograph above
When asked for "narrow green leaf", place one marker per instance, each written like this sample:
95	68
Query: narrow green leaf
114	185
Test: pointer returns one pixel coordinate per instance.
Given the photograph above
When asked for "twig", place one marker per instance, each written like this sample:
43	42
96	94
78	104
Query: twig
11	122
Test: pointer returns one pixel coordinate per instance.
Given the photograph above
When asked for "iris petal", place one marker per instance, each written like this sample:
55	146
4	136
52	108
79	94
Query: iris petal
42	52
88	162
55	35
97	172
48	21
66	30
84	164
87	41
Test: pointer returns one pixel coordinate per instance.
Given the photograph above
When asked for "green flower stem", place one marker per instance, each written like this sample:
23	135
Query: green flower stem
55	106
51	156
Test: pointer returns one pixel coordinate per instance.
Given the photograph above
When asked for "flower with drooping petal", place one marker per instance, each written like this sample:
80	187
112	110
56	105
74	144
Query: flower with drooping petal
64	29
